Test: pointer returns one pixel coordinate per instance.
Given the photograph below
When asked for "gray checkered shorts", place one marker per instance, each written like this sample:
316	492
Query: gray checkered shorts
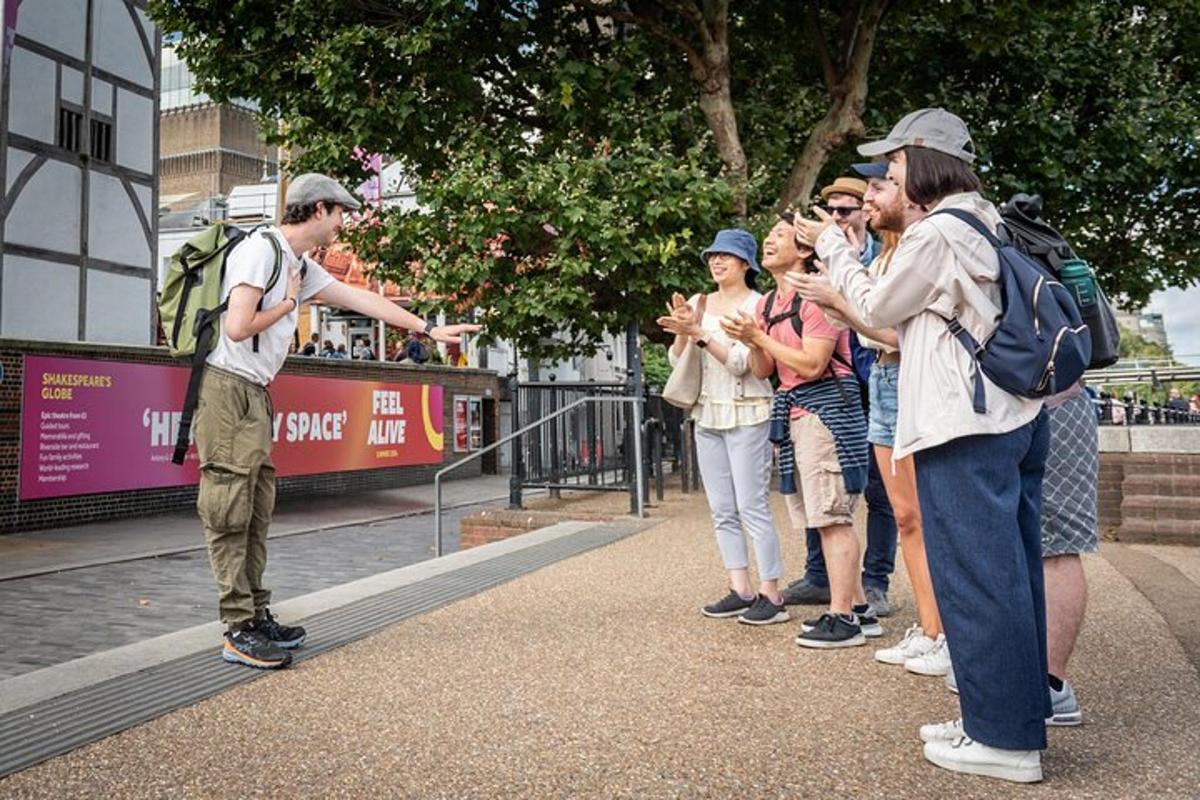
1069	488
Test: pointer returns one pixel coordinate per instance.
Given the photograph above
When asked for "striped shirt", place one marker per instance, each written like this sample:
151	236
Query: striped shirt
841	412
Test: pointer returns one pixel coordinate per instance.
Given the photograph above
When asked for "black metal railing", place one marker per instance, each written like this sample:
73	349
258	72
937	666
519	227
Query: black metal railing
1126	411
590	448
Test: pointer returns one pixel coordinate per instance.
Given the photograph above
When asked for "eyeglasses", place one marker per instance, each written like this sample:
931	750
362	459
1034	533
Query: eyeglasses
842	211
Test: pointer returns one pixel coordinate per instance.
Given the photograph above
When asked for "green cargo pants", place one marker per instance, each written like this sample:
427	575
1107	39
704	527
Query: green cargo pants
233	428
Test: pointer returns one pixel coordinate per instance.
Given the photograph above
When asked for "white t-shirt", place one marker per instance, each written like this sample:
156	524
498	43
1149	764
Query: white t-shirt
251	263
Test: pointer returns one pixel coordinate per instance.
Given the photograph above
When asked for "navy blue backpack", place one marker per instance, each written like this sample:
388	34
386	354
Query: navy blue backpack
1040	346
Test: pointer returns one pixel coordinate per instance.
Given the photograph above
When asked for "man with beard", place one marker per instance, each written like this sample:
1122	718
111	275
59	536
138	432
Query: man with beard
922	649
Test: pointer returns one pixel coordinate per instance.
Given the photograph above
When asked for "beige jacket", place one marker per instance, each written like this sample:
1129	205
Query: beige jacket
941	268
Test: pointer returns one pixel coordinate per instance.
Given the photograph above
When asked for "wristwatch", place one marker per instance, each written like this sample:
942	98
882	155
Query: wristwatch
430	324
702	343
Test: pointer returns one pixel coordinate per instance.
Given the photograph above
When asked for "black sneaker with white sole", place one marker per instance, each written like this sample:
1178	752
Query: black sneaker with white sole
731	605
285	636
866	620
764	612
832	630
250	647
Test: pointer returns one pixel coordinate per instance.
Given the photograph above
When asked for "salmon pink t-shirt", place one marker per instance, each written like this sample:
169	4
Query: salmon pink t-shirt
817	326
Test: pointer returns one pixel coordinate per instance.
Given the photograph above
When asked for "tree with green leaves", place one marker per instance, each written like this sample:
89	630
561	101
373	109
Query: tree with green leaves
571	159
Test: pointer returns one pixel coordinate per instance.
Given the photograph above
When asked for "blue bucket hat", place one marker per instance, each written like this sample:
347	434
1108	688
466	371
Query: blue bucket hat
736	242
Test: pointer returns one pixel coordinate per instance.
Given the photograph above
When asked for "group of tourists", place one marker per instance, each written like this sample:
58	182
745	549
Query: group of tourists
849	376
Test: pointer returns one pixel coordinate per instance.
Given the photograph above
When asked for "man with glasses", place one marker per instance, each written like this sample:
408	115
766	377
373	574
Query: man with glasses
843	201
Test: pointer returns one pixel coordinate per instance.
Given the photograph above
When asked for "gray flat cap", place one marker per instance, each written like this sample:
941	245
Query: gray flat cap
313	187
935	128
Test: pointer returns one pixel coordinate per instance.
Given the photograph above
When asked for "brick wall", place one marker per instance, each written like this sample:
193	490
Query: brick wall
210	148
497	524
1149	488
17	515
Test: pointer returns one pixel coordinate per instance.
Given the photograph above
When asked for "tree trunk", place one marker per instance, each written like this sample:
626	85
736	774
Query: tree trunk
841	122
847	82
722	120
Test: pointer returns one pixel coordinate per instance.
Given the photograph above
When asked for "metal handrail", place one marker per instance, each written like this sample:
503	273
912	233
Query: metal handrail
637	453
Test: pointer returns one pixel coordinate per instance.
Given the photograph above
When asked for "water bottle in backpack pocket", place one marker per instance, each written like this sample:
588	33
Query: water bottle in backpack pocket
1041	345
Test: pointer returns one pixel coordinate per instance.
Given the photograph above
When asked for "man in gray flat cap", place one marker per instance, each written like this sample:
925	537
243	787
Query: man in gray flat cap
266	276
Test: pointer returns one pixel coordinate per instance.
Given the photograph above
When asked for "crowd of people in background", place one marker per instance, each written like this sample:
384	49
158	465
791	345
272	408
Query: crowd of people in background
411	348
848	377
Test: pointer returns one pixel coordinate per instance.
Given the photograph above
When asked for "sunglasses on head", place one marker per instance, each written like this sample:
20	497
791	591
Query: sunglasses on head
841	211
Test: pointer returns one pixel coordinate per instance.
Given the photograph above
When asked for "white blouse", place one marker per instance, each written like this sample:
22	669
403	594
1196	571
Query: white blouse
730	395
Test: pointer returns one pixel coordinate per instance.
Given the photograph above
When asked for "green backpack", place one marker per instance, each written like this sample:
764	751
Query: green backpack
190	307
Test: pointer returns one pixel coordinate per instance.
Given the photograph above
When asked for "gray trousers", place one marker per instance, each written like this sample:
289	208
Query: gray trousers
736	467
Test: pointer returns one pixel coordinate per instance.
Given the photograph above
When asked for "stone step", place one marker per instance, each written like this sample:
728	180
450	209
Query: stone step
1161	463
1157	485
1160	531
1159	507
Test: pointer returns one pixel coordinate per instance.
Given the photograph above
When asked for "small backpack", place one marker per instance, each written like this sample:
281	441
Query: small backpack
190	307
793	314
1032	235
1040	345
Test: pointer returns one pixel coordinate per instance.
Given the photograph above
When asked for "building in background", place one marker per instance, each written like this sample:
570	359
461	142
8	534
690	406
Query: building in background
1151	327
78	152
206	148
1146	324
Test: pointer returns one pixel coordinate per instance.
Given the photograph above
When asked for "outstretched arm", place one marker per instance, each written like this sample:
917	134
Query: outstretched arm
379	307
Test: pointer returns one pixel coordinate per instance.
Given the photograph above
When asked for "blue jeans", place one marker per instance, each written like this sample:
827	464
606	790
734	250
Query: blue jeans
981	500
880	559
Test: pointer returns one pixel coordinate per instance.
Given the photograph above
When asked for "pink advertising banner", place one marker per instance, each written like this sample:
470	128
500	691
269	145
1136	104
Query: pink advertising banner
105	426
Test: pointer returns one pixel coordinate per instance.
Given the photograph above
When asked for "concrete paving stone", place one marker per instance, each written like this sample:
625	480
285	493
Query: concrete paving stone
56	617
597	677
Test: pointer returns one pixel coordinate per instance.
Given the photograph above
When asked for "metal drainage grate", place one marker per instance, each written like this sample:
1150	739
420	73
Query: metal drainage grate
44	730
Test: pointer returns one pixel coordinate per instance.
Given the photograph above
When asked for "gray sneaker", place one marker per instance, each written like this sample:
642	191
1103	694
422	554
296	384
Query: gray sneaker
878	600
1065	707
803	593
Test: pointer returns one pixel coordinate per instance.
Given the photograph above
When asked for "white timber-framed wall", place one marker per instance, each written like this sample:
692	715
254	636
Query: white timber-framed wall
79	167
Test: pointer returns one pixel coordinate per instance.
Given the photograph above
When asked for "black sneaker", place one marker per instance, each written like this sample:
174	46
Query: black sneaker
832	630
285	636
868	620
250	647
731	605
803	593
764	612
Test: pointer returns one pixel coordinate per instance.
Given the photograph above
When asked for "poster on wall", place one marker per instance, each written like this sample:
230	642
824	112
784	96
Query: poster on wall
468	423
104	426
461	425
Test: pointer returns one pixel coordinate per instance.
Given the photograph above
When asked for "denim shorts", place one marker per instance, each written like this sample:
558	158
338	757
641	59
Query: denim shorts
881	426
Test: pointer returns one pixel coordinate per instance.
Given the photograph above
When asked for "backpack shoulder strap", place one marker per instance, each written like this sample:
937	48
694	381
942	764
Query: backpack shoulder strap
768	301
274	279
974	222
794	313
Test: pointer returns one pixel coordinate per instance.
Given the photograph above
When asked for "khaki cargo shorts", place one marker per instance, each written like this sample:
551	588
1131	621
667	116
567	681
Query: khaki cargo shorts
821	499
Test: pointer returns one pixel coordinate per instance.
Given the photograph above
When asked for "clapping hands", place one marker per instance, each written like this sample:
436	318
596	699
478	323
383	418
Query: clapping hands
681	319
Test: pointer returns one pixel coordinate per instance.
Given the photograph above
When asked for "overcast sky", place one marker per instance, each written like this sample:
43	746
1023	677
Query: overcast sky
1181	315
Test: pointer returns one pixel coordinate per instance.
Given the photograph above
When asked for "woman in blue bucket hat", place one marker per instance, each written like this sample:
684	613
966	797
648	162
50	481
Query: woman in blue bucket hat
732	416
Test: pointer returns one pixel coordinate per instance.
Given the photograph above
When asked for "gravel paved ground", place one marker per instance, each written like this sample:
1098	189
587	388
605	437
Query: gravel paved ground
597	677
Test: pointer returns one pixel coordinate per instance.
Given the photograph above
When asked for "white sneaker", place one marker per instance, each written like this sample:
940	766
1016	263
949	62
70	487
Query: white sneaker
942	731
935	661
915	643
970	757
951	682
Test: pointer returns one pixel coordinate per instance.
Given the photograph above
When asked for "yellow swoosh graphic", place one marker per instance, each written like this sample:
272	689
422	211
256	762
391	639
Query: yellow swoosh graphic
436	440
